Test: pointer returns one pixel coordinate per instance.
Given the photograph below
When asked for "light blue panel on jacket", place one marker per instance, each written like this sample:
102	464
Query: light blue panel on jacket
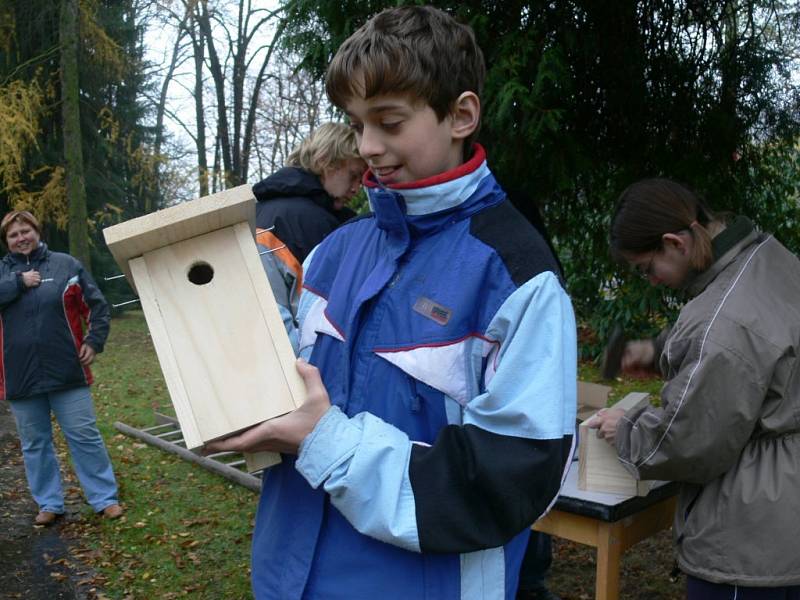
533	390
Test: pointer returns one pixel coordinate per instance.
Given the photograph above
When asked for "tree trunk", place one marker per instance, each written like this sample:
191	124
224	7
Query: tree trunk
73	151
160	110
230	178
199	108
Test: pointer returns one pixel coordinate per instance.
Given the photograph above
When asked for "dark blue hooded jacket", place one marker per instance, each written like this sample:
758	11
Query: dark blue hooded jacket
293	201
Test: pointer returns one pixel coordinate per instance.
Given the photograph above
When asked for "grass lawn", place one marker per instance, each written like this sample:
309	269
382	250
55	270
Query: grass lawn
187	532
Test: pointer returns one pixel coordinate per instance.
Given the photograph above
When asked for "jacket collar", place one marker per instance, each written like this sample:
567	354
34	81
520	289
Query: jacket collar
726	246
424	206
36	255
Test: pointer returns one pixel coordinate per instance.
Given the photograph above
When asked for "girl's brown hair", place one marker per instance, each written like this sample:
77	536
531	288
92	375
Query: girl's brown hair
650	208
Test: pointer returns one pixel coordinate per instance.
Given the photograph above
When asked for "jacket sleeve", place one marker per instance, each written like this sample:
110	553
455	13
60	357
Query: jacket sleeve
658	346
11	287
284	288
98	317
483	481
708	414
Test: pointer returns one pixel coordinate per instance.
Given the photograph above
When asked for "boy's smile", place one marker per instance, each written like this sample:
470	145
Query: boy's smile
403	141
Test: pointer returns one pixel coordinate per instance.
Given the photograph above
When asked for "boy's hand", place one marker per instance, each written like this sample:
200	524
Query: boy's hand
606	421
284	433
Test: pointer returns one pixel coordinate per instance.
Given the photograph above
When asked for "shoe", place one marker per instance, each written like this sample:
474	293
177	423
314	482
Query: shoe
45	518
112	512
538	593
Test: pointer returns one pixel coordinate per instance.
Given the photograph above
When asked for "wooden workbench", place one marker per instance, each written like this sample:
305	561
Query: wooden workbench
611	523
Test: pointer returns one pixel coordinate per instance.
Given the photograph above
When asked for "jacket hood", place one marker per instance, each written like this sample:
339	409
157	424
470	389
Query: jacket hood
290	182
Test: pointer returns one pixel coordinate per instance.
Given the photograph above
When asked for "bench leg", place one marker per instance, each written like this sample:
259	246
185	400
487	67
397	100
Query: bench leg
609	553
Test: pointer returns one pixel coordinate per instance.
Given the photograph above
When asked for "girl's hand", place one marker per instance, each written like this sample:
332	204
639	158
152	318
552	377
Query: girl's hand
606	421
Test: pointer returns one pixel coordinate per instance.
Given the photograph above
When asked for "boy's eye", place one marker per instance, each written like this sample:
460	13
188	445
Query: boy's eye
357	127
389	125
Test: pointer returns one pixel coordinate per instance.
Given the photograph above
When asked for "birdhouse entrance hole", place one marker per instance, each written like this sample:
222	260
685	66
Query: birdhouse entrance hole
200	273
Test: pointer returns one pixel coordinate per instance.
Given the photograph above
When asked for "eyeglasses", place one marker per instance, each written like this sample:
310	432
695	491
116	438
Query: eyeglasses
645	273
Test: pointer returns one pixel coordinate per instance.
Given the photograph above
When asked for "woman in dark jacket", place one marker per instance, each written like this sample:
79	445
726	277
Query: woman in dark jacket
45	299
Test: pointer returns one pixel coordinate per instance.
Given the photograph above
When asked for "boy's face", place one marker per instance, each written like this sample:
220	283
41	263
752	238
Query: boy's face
402	140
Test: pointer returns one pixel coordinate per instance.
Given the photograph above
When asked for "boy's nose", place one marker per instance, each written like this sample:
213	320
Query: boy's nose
369	145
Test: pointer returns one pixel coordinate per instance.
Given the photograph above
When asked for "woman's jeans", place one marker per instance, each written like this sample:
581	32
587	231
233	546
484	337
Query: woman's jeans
75	414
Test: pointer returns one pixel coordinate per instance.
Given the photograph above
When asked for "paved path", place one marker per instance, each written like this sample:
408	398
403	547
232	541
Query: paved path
33	561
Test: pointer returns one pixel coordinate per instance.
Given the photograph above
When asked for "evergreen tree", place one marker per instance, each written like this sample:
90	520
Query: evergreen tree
583	97
116	145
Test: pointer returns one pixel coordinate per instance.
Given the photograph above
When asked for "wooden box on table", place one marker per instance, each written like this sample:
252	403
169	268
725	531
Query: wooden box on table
215	325
599	468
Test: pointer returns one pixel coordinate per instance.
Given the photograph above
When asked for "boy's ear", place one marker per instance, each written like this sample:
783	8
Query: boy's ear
466	115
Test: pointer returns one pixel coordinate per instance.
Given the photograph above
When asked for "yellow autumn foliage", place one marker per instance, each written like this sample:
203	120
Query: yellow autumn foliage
49	202
20	109
21	106
99	47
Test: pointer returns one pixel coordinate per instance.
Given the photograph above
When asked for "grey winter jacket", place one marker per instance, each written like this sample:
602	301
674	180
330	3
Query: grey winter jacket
729	423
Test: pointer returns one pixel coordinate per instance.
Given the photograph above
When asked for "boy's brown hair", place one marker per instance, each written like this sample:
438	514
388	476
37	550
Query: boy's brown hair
420	51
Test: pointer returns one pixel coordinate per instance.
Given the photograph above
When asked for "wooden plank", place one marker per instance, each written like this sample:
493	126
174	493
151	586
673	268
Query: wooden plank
609	557
280	341
220	343
647	522
591	397
282	347
599	468
569	526
165	354
183	221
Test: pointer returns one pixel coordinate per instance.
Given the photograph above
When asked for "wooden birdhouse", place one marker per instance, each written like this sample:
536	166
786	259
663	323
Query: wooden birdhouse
215	325
599	469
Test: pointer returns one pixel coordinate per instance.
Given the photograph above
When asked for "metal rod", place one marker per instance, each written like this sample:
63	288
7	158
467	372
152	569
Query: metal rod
121	275
251	482
273	250
169	433
226	453
124	303
159	426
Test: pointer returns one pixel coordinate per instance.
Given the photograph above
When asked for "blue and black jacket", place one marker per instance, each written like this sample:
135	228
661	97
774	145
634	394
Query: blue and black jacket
448	347
42	328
